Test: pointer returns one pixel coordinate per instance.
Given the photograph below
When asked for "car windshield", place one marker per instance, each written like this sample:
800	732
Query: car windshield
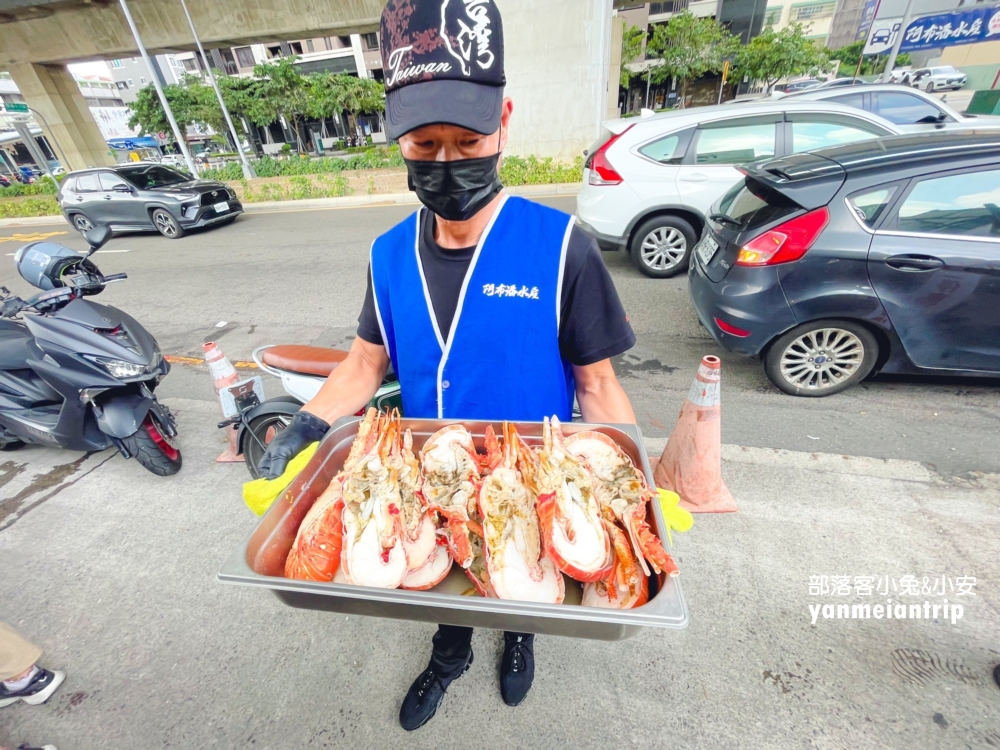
943	70
151	177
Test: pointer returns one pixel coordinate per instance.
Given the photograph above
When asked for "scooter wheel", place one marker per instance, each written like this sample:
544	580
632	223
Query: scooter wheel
150	446
262	430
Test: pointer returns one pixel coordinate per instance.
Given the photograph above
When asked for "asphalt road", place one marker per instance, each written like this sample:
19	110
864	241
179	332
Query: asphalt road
298	277
112	570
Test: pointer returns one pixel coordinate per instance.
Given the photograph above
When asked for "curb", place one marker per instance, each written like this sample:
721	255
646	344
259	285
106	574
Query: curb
387	199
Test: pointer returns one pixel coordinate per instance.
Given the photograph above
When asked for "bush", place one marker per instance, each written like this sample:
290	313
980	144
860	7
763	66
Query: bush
372	158
29	207
43	186
516	170
298	188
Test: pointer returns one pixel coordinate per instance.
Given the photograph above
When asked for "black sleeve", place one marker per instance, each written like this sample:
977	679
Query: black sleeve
593	324
368	327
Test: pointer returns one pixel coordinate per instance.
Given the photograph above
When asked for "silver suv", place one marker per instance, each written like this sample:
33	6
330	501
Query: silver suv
941	78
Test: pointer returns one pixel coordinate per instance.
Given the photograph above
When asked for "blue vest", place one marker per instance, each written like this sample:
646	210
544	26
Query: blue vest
501	359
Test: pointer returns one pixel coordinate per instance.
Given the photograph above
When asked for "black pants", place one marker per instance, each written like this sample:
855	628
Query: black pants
451	647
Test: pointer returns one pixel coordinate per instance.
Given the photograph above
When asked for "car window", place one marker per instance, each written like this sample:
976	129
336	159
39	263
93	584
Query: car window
869	205
904	109
750	204
966	204
856	100
87	183
735	144
663	150
69	184
110	179
153	177
807	136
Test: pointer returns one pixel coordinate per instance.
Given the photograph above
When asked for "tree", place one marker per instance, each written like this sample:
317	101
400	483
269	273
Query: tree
773	55
689	47
632	40
280	90
870	65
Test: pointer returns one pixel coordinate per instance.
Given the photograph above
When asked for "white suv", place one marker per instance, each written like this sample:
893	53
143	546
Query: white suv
648	182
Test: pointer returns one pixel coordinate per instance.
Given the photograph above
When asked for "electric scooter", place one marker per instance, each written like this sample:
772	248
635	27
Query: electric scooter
75	374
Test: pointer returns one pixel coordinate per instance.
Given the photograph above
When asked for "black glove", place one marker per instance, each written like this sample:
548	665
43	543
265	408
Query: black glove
305	428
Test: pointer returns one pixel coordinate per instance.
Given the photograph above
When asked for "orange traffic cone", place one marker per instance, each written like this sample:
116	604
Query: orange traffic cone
223	375
691	464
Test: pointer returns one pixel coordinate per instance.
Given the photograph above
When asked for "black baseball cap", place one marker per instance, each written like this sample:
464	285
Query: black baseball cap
443	63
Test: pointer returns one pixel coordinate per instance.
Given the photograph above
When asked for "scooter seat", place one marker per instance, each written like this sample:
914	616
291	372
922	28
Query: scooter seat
308	360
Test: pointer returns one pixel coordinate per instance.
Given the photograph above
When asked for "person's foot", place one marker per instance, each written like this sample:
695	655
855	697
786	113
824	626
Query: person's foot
424	697
32	747
517	668
41	685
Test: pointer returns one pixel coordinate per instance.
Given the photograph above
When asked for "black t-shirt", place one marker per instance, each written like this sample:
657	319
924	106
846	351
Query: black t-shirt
593	325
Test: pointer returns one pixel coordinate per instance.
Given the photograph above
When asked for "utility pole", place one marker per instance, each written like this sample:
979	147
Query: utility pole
159	91
248	171
890	64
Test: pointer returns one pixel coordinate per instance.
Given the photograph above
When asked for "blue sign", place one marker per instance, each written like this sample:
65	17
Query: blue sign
130	144
867	16
950	29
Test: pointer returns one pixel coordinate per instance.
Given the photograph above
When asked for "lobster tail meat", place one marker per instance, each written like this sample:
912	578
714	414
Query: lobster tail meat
315	553
518	568
451	478
432	572
568	511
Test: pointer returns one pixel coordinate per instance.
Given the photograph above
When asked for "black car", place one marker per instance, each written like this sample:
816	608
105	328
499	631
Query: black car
878	255
145	197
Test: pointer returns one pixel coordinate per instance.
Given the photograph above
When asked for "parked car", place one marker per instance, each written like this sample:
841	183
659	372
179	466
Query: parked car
5	181
173	160
900	75
940	78
838	83
649	182
911	111
800	85
145	197
877	255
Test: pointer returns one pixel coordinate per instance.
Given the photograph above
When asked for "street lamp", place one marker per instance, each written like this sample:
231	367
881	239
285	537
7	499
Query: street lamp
248	171
159	91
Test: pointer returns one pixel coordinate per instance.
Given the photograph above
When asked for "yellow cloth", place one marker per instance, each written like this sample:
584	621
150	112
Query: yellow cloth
260	494
676	517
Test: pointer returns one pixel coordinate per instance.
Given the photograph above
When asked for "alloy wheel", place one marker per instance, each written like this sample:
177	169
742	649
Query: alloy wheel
165	224
82	223
822	359
663	248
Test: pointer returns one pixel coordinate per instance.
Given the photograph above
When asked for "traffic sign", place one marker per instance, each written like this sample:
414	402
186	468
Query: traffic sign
16	107
129	145
161	135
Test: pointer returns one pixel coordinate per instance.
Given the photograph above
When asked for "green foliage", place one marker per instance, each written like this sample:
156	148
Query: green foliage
373	158
870	65
773	55
18	208
515	170
298	188
689	47
43	186
632	40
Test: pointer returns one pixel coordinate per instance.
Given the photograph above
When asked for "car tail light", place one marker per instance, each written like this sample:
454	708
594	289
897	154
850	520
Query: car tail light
731	329
786	242
601	171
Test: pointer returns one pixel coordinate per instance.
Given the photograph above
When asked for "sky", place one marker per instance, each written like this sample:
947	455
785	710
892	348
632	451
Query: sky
99	68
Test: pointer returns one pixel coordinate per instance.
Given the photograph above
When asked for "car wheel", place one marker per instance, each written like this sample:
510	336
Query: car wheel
929	88
821	358
82	224
166	224
661	247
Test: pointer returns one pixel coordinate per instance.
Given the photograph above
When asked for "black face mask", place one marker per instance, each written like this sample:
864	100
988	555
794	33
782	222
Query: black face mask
455	190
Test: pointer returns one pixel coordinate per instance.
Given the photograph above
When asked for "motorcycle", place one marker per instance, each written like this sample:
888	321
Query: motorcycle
302	371
75	374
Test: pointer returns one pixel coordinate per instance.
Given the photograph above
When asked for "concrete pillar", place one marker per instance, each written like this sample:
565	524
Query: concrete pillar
615	68
51	91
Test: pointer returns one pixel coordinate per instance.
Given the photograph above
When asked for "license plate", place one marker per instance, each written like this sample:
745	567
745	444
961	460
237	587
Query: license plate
706	250
221	207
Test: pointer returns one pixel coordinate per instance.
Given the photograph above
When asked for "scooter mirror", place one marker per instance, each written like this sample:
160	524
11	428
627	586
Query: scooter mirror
97	237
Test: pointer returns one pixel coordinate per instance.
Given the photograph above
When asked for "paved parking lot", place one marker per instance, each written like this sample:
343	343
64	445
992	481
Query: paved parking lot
112	569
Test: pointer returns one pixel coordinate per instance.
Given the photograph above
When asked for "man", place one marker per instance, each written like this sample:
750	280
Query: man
489	307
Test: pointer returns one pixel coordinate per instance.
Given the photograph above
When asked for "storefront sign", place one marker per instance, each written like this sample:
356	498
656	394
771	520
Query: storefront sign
940	30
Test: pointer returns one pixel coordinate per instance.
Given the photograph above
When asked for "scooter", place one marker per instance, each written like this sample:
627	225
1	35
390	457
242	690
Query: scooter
75	374
302	371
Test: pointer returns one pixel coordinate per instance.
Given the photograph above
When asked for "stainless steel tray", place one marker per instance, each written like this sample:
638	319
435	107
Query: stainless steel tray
260	560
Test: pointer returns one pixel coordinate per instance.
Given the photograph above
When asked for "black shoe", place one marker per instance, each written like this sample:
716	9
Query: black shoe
517	669
424	697
996	675
42	685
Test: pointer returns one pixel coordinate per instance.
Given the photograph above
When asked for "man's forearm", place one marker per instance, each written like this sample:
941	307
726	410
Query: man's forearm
600	395
351	385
